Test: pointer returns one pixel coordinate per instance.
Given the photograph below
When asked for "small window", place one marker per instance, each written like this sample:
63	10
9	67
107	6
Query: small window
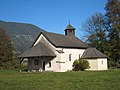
101	62
70	30
70	57
49	64
35	62
79	56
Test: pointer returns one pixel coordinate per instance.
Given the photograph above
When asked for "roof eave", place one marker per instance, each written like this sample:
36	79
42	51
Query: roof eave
71	47
36	56
92	57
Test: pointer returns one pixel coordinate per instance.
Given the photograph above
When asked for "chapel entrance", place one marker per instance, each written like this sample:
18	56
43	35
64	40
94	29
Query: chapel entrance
44	66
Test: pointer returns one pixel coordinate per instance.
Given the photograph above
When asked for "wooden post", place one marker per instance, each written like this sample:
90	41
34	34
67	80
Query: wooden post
21	59
42	62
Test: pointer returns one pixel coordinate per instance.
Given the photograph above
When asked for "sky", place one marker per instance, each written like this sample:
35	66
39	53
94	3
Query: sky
51	15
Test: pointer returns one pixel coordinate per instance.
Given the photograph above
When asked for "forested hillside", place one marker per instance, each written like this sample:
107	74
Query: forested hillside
22	35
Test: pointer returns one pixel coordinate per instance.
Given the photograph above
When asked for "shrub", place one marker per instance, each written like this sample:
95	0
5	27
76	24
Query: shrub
113	64
80	64
118	64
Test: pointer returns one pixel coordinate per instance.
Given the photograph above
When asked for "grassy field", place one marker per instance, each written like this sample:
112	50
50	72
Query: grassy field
87	80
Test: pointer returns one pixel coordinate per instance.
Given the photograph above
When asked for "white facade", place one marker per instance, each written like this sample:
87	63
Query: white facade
98	64
68	57
63	60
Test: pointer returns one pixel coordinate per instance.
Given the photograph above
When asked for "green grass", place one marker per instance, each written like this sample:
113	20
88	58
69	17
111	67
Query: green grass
86	80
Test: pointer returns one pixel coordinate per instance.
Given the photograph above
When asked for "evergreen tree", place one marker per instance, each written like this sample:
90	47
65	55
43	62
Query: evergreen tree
95	28
6	55
113	18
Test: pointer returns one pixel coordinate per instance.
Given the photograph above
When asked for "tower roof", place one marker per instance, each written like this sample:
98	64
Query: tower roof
70	27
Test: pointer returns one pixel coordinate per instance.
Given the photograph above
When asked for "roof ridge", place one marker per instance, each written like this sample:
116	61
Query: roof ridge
60	40
54	33
61	35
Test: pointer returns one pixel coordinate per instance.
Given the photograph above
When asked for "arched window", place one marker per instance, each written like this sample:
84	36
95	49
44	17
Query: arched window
70	57
49	64
79	56
101	62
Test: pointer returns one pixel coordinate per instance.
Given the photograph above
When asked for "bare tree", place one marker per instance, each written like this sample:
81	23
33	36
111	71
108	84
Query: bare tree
95	29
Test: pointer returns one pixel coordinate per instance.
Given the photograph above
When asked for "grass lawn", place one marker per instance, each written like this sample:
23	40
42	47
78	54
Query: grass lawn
86	80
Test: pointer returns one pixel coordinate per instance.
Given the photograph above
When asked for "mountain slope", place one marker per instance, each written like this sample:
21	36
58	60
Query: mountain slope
21	34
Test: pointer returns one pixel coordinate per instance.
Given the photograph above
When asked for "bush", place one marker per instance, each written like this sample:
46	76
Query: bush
112	64
80	64
118	64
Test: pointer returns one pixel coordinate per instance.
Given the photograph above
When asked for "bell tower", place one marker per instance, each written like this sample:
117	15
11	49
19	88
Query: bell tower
70	31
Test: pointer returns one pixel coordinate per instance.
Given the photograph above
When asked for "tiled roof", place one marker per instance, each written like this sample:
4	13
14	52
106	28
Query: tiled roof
93	53
63	41
70	27
39	49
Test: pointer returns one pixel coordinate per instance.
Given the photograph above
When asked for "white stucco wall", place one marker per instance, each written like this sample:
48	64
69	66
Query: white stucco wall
98	64
66	64
102	64
93	64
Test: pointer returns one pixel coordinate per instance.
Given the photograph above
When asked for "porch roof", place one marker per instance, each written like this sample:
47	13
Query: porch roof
38	50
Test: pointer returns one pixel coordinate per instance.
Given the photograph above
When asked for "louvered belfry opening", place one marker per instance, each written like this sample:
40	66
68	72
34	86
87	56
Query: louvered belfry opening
70	31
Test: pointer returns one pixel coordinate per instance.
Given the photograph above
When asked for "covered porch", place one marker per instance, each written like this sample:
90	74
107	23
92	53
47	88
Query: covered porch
39	57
